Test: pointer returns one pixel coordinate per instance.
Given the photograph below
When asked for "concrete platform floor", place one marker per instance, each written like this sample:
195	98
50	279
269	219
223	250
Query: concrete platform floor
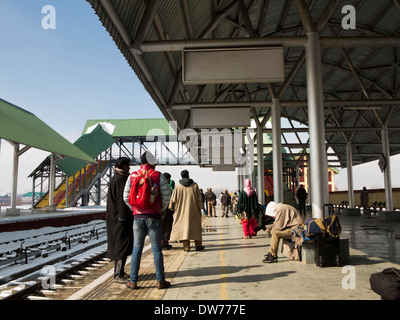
231	268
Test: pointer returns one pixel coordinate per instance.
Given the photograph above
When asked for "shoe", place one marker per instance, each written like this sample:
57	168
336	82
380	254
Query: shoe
119	279
200	248
270	258
186	250
163	284
166	247
131	285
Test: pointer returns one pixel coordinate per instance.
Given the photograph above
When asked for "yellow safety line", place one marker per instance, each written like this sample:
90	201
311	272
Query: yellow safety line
223	276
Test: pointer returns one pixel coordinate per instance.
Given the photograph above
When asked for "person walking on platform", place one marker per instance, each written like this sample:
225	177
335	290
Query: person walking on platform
186	202
286	217
248	207
301	195
225	202
119	221
234	203
147	210
364	198
167	218
211	199
203	198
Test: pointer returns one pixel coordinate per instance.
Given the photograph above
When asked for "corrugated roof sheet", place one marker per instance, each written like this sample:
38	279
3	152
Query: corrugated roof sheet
93	144
21	126
377	67
135	127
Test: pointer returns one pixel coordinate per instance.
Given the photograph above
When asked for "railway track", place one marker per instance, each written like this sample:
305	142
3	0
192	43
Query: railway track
63	284
63	256
23	256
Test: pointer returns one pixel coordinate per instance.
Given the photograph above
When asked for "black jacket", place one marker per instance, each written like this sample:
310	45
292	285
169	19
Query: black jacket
119	220
225	199
301	194
210	196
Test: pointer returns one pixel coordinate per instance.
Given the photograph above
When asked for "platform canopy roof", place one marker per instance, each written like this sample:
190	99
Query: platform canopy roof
20	126
93	143
360	67
126	129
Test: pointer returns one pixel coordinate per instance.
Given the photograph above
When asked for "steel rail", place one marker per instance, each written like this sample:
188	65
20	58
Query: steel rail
24	293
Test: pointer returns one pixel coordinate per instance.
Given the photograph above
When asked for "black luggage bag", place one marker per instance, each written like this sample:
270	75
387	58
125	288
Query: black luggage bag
386	283
327	252
327	248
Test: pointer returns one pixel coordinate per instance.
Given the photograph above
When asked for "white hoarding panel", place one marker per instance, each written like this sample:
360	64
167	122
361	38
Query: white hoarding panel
233	66
220	117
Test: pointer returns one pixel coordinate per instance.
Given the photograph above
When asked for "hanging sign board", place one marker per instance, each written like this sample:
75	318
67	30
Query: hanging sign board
247	65
220	117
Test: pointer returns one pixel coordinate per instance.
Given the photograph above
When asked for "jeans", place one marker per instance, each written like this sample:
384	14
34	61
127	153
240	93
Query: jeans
141	228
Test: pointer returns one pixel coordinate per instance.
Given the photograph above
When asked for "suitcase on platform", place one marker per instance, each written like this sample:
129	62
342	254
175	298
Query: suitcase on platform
327	247
386	283
327	252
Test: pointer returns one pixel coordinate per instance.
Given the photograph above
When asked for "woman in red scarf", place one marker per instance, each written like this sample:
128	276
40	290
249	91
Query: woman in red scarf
248	208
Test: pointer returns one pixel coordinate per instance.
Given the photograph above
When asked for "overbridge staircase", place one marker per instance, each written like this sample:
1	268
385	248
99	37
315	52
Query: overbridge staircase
84	184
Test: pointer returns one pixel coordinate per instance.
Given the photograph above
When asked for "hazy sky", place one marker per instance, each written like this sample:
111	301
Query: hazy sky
67	76
74	73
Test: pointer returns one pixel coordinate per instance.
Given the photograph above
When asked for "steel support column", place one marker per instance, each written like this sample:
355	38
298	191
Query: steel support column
13	211
277	151
52	180
349	156
387	172
260	164
15	177
318	158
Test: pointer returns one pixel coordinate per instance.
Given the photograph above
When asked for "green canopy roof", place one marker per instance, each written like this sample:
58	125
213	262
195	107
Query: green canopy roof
92	143
134	127
20	126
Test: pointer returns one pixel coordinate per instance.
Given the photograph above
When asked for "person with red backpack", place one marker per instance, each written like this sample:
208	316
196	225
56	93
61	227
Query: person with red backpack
148	193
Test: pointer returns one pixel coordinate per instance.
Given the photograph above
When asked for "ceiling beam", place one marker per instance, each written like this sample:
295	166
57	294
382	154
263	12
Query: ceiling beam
289	41
364	104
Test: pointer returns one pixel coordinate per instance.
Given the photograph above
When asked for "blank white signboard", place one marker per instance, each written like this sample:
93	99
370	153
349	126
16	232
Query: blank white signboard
220	117
233	66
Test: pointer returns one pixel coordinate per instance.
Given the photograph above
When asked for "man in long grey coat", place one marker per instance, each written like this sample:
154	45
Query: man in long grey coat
186	201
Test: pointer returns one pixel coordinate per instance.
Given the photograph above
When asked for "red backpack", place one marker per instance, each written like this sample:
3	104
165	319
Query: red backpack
139	195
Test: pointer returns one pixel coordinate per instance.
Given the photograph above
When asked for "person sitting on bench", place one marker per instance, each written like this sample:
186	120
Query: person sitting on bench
286	217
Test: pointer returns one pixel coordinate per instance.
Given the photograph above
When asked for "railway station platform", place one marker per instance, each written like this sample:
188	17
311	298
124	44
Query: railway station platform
231	268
